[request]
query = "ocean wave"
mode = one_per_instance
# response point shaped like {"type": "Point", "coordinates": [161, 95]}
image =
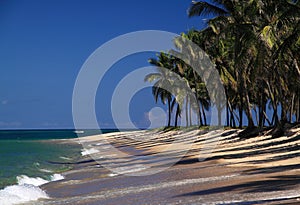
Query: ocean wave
{"type": "Point", "coordinates": [16, 194]}
{"type": "Point", "coordinates": [65, 158]}
{"type": "Point", "coordinates": [26, 190]}
{"type": "Point", "coordinates": [23, 179]}
{"type": "Point", "coordinates": [57, 177]}
{"type": "Point", "coordinates": [46, 170]}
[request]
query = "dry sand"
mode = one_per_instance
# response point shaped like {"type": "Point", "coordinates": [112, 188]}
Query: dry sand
{"type": "Point", "coordinates": [154, 167]}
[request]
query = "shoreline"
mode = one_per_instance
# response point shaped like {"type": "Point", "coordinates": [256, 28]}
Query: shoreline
{"type": "Point", "coordinates": [27, 164]}
{"type": "Point", "coordinates": [233, 172]}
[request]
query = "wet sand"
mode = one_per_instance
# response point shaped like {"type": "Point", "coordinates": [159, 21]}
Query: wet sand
{"type": "Point", "coordinates": [260, 170]}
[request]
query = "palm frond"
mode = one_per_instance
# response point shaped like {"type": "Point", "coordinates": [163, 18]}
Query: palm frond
{"type": "Point", "coordinates": [202, 8]}
{"type": "Point", "coordinates": [152, 77]}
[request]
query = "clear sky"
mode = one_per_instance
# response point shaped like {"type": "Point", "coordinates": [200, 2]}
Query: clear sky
{"type": "Point", "coordinates": [43, 45]}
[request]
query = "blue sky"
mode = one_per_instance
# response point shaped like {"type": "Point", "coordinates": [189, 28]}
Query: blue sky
{"type": "Point", "coordinates": [43, 45]}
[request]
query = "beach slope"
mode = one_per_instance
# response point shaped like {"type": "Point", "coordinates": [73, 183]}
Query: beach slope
{"type": "Point", "coordinates": [154, 167]}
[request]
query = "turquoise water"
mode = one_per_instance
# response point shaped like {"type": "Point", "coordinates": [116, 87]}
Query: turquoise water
{"type": "Point", "coordinates": [34, 154]}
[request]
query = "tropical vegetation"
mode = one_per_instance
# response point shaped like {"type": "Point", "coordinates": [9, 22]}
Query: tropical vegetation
{"type": "Point", "coordinates": [255, 47]}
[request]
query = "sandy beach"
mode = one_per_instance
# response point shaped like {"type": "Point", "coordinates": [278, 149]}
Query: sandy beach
{"type": "Point", "coordinates": [154, 167]}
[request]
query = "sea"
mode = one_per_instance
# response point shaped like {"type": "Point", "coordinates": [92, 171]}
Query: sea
{"type": "Point", "coordinates": [31, 158]}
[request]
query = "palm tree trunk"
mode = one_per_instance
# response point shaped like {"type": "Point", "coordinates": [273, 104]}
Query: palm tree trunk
{"type": "Point", "coordinates": [266, 117]}
{"type": "Point", "coordinates": [200, 115]}
{"type": "Point", "coordinates": [298, 116]}
{"type": "Point", "coordinates": [227, 114]}
{"type": "Point", "coordinates": [292, 108]}
{"type": "Point", "coordinates": [240, 116]}
{"type": "Point", "coordinates": [177, 115]}
{"type": "Point", "coordinates": [232, 120]}
{"type": "Point", "coordinates": [186, 112]}
{"type": "Point", "coordinates": [190, 114]}
{"type": "Point", "coordinates": [262, 111]}
{"type": "Point", "coordinates": [275, 119]}
{"type": "Point", "coordinates": [169, 112]}
{"type": "Point", "coordinates": [197, 98]}
{"type": "Point", "coordinates": [219, 116]}
{"type": "Point", "coordinates": [204, 115]}
{"type": "Point", "coordinates": [257, 114]}
{"type": "Point", "coordinates": [248, 112]}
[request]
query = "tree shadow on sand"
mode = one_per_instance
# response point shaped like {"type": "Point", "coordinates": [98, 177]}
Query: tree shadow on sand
{"type": "Point", "coordinates": [276, 183]}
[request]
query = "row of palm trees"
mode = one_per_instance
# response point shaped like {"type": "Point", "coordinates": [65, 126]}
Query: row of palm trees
{"type": "Point", "coordinates": [255, 46]}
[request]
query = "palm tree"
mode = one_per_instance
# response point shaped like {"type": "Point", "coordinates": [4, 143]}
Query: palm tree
{"type": "Point", "coordinates": [253, 32]}
{"type": "Point", "coordinates": [255, 48]}
{"type": "Point", "coordinates": [171, 86]}
{"type": "Point", "coordinates": [162, 80]}
{"type": "Point", "coordinates": [280, 32]}
{"type": "Point", "coordinates": [229, 25]}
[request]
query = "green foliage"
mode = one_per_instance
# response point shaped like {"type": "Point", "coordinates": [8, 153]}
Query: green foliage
{"type": "Point", "coordinates": [255, 46]}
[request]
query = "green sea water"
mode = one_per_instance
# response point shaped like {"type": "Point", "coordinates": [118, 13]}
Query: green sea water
{"type": "Point", "coordinates": [34, 153]}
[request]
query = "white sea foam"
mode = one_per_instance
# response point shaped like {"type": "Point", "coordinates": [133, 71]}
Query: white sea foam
{"type": "Point", "coordinates": [79, 131]}
{"type": "Point", "coordinates": [85, 152]}
{"type": "Point", "coordinates": [46, 170]}
{"type": "Point", "coordinates": [23, 179]}
{"type": "Point", "coordinates": [65, 158]}
{"type": "Point", "coordinates": [57, 177]}
{"type": "Point", "coordinates": [26, 190]}
{"type": "Point", "coordinates": [17, 194]}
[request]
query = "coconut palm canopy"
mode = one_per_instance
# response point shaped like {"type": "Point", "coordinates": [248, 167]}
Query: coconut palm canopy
{"type": "Point", "coordinates": [255, 48]}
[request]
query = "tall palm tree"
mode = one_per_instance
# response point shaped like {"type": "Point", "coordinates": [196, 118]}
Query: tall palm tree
{"type": "Point", "coordinates": [255, 48]}
{"type": "Point", "coordinates": [229, 25]}
{"type": "Point", "coordinates": [254, 33]}
{"type": "Point", "coordinates": [162, 81]}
